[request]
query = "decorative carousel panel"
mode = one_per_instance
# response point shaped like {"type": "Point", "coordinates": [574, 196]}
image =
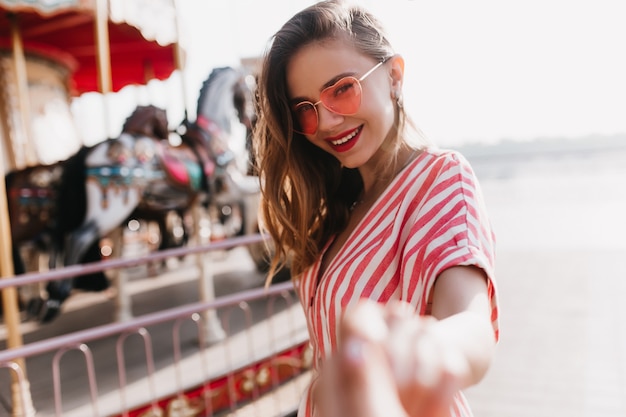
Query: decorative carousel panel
{"type": "Point", "coordinates": [52, 135]}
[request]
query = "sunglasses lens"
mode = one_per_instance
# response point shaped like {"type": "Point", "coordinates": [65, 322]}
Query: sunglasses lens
{"type": "Point", "coordinates": [344, 97]}
{"type": "Point", "coordinates": [305, 117]}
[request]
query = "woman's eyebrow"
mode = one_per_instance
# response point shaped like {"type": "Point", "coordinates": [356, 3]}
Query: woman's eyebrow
{"type": "Point", "coordinates": [329, 83]}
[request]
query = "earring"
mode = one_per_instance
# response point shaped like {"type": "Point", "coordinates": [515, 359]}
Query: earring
{"type": "Point", "coordinates": [398, 97]}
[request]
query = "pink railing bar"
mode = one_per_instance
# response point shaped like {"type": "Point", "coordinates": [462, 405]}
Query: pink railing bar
{"type": "Point", "coordinates": [102, 331]}
{"type": "Point", "coordinates": [75, 270]}
{"type": "Point", "coordinates": [208, 404]}
{"type": "Point", "coordinates": [245, 308]}
{"type": "Point", "coordinates": [121, 366]}
{"type": "Point", "coordinates": [178, 357]}
{"type": "Point", "coordinates": [285, 295]}
{"type": "Point", "coordinates": [288, 298]}
{"type": "Point", "coordinates": [19, 374]}
{"type": "Point", "coordinates": [91, 373]}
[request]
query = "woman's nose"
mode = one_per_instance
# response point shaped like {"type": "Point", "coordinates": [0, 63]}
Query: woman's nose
{"type": "Point", "coordinates": [327, 119]}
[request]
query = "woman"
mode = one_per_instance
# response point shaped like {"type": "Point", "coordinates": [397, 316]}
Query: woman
{"type": "Point", "coordinates": [361, 207]}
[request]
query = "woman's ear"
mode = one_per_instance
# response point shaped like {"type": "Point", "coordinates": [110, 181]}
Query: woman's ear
{"type": "Point", "coordinates": [397, 73]}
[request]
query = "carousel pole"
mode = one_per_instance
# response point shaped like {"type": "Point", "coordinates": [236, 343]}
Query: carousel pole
{"type": "Point", "coordinates": [179, 56]}
{"type": "Point", "coordinates": [20, 389]}
{"type": "Point", "coordinates": [19, 61]}
{"type": "Point", "coordinates": [103, 57]}
{"type": "Point", "coordinates": [206, 284]}
{"type": "Point", "coordinates": [5, 113]}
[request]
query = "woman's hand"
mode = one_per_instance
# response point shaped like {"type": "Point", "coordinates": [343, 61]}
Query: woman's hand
{"type": "Point", "coordinates": [390, 363]}
{"type": "Point", "coordinates": [358, 381]}
{"type": "Point", "coordinates": [393, 362]}
{"type": "Point", "coordinates": [427, 371]}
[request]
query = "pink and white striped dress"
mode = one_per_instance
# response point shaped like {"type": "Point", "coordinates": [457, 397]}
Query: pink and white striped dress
{"type": "Point", "coordinates": [431, 217]}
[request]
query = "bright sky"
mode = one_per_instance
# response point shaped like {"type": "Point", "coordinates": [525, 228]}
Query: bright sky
{"type": "Point", "coordinates": [476, 71]}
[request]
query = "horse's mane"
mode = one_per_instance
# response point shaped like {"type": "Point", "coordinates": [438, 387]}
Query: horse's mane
{"type": "Point", "coordinates": [215, 101]}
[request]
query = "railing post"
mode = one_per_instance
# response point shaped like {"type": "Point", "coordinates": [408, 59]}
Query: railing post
{"type": "Point", "coordinates": [123, 301]}
{"type": "Point", "coordinates": [214, 331]}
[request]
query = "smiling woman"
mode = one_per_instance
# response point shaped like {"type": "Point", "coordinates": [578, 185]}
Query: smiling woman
{"type": "Point", "coordinates": [369, 215]}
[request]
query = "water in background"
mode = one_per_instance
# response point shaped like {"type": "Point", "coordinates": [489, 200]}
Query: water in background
{"type": "Point", "coordinates": [555, 195]}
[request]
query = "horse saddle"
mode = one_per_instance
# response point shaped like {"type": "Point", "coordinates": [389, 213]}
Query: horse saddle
{"type": "Point", "coordinates": [32, 193]}
{"type": "Point", "coordinates": [181, 165]}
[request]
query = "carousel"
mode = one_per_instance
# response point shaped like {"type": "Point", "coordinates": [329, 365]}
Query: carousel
{"type": "Point", "coordinates": [54, 51]}
{"type": "Point", "coordinates": [51, 52]}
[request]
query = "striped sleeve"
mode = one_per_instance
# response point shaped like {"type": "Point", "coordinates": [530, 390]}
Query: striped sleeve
{"type": "Point", "coordinates": [448, 227]}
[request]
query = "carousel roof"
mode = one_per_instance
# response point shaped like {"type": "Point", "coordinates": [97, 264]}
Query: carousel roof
{"type": "Point", "coordinates": [64, 30]}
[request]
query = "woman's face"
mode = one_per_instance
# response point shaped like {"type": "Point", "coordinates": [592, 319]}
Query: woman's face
{"type": "Point", "coordinates": [355, 138]}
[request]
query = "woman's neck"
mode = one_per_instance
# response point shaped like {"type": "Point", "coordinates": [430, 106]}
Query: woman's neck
{"type": "Point", "coordinates": [377, 175]}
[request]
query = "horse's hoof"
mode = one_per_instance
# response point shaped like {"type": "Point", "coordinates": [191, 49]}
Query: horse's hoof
{"type": "Point", "coordinates": [49, 311]}
{"type": "Point", "coordinates": [33, 308]}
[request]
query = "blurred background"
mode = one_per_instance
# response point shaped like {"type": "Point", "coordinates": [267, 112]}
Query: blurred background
{"type": "Point", "coordinates": [533, 93]}
{"type": "Point", "coordinates": [480, 71]}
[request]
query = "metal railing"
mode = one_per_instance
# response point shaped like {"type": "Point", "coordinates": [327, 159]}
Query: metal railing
{"type": "Point", "coordinates": [259, 368]}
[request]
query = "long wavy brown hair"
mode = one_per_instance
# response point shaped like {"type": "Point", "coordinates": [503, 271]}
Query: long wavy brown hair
{"type": "Point", "coordinates": [306, 193]}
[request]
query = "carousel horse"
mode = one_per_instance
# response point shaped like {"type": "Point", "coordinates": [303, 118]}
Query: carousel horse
{"type": "Point", "coordinates": [103, 185]}
{"type": "Point", "coordinates": [111, 173]}
{"type": "Point", "coordinates": [48, 202]}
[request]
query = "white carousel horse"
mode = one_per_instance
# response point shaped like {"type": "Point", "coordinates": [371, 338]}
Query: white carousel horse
{"type": "Point", "coordinates": [109, 181]}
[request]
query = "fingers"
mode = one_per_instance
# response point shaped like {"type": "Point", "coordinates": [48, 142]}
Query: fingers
{"type": "Point", "coordinates": [395, 357]}
{"type": "Point", "coordinates": [425, 368]}
{"type": "Point", "coordinates": [367, 321]}
{"type": "Point", "coordinates": [366, 386]}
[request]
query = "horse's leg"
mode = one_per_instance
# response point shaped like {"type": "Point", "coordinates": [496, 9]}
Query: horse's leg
{"type": "Point", "coordinates": [36, 307]}
{"type": "Point", "coordinates": [19, 267]}
{"type": "Point", "coordinates": [167, 241]}
{"type": "Point", "coordinates": [99, 220]}
{"type": "Point", "coordinates": [96, 281]}
{"type": "Point", "coordinates": [214, 331]}
{"type": "Point", "coordinates": [29, 296]}
{"type": "Point", "coordinates": [77, 244]}
{"type": "Point", "coordinates": [251, 198]}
